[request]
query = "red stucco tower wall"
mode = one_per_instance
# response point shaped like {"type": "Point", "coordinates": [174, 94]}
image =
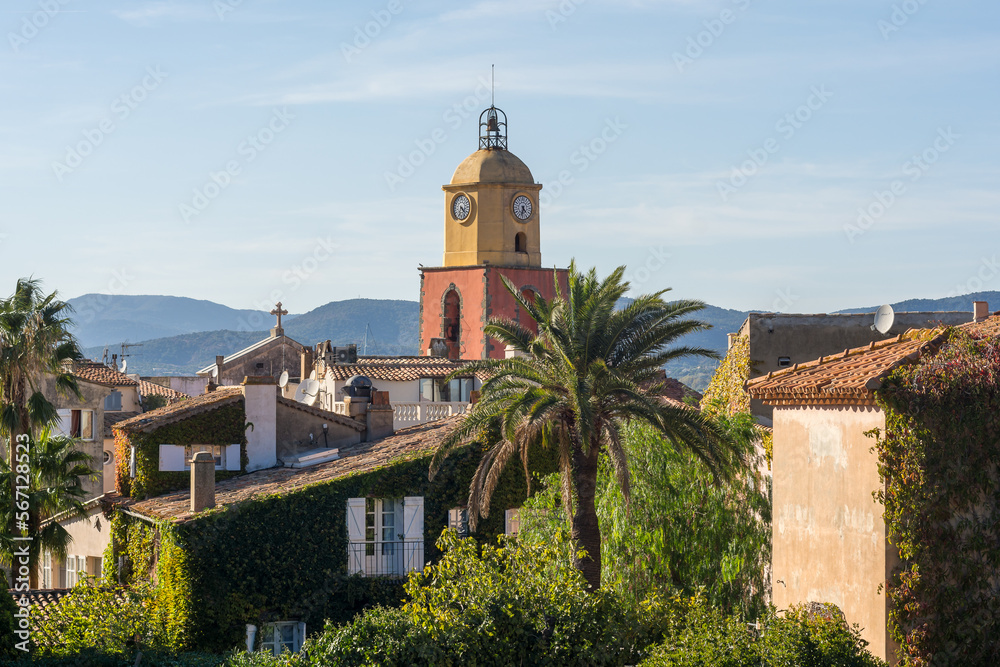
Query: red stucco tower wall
{"type": "Point", "coordinates": [481, 295]}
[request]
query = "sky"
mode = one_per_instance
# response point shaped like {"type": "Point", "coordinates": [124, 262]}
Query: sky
{"type": "Point", "coordinates": [800, 156]}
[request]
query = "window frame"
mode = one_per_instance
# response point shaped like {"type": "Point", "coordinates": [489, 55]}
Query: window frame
{"type": "Point", "coordinates": [276, 645]}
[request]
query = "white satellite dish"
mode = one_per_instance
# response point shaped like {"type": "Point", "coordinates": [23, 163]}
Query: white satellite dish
{"type": "Point", "coordinates": [310, 399]}
{"type": "Point", "coordinates": [124, 365]}
{"type": "Point", "coordinates": [283, 380]}
{"type": "Point", "coordinates": [884, 318]}
{"type": "Point", "coordinates": [215, 372]}
{"type": "Point", "coordinates": [309, 390]}
{"type": "Point", "coordinates": [300, 393]}
{"type": "Point", "coordinates": [312, 376]}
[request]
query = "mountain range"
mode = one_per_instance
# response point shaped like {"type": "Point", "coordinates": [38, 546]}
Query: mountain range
{"type": "Point", "coordinates": [169, 335]}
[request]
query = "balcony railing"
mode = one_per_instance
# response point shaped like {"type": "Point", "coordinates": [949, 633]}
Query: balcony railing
{"type": "Point", "coordinates": [385, 559]}
{"type": "Point", "coordinates": [421, 412]}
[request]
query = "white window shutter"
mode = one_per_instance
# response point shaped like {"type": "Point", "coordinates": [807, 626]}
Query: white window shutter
{"type": "Point", "coordinates": [413, 532]}
{"type": "Point", "coordinates": [61, 426]}
{"type": "Point", "coordinates": [172, 458]}
{"type": "Point", "coordinates": [355, 535]}
{"type": "Point", "coordinates": [233, 457]}
{"type": "Point", "coordinates": [301, 639]}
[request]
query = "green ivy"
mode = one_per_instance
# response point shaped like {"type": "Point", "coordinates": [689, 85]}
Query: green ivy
{"type": "Point", "coordinates": [284, 556]}
{"type": "Point", "coordinates": [222, 426]}
{"type": "Point", "coordinates": [938, 460]}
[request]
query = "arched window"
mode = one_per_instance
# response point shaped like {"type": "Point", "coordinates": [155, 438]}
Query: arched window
{"type": "Point", "coordinates": [452, 323]}
{"type": "Point", "coordinates": [520, 242]}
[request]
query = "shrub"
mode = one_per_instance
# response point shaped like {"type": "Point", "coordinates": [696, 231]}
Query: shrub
{"type": "Point", "coordinates": [8, 624]}
{"type": "Point", "coordinates": [699, 635]}
{"type": "Point", "coordinates": [520, 602]}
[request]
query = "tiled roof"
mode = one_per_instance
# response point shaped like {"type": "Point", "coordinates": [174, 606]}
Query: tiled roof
{"type": "Point", "coordinates": [360, 458]}
{"type": "Point", "coordinates": [394, 369]}
{"type": "Point", "coordinates": [43, 603]}
{"type": "Point", "coordinates": [98, 373]}
{"type": "Point", "coordinates": [852, 376]}
{"type": "Point", "coordinates": [112, 418]}
{"type": "Point", "coordinates": [147, 388]}
{"type": "Point", "coordinates": [154, 419]}
{"type": "Point", "coordinates": [319, 412]}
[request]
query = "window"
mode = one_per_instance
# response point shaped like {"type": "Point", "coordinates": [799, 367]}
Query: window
{"type": "Point", "coordinates": [109, 457]}
{"type": "Point", "coordinates": [113, 401]}
{"type": "Point", "coordinates": [458, 519]}
{"type": "Point", "coordinates": [276, 638]}
{"type": "Point", "coordinates": [218, 451]}
{"type": "Point", "coordinates": [385, 535]}
{"type": "Point", "coordinates": [520, 242]}
{"type": "Point", "coordinates": [784, 361]}
{"type": "Point", "coordinates": [512, 521]}
{"type": "Point", "coordinates": [76, 424]}
{"type": "Point", "coordinates": [458, 390]}
{"type": "Point", "coordinates": [71, 571]}
{"type": "Point", "coordinates": [94, 567]}
{"type": "Point", "coordinates": [47, 569]}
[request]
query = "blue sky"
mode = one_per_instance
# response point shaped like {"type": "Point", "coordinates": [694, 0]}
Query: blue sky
{"type": "Point", "coordinates": [723, 149]}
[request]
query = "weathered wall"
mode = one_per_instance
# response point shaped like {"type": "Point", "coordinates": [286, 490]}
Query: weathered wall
{"type": "Point", "coordinates": [190, 385]}
{"type": "Point", "coordinates": [278, 355]}
{"type": "Point", "coordinates": [829, 537]}
{"type": "Point", "coordinates": [804, 338]}
{"type": "Point", "coordinates": [89, 537]}
{"type": "Point", "coordinates": [294, 427]}
{"type": "Point", "coordinates": [93, 399]}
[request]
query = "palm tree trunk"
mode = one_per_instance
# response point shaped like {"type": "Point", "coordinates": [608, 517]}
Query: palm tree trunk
{"type": "Point", "coordinates": [586, 531]}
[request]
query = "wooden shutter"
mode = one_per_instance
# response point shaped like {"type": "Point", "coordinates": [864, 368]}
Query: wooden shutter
{"type": "Point", "coordinates": [413, 532]}
{"type": "Point", "coordinates": [233, 457]}
{"type": "Point", "coordinates": [172, 458]}
{"type": "Point", "coordinates": [355, 535]}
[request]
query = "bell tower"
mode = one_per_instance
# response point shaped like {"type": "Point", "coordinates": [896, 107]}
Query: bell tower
{"type": "Point", "coordinates": [491, 229]}
{"type": "Point", "coordinates": [491, 208]}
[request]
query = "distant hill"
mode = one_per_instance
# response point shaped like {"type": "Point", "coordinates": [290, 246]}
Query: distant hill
{"type": "Point", "coordinates": [180, 336]}
{"type": "Point", "coordinates": [951, 303]}
{"type": "Point", "coordinates": [391, 328]}
{"type": "Point", "coordinates": [106, 319]}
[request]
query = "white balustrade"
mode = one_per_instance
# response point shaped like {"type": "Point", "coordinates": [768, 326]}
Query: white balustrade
{"type": "Point", "coordinates": [411, 414]}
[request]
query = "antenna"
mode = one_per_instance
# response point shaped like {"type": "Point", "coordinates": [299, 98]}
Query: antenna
{"type": "Point", "coordinates": [493, 85]}
{"type": "Point", "coordinates": [884, 318]}
{"type": "Point", "coordinates": [104, 359]}
{"type": "Point", "coordinates": [283, 380]}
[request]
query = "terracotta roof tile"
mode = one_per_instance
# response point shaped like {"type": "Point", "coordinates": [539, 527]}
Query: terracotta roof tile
{"type": "Point", "coordinates": [154, 419]}
{"type": "Point", "coordinates": [112, 418]}
{"type": "Point", "coordinates": [360, 458]}
{"type": "Point", "coordinates": [851, 377]}
{"type": "Point", "coordinates": [98, 373]}
{"type": "Point", "coordinates": [147, 388]}
{"type": "Point", "coordinates": [394, 369]}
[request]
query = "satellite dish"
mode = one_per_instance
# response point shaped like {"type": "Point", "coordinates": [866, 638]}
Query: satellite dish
{"type": "Point", "coordinates": [311, 387]}
{"type": "Point", "coordinates": [310, 400]}
{"type": "Point", "coordinates": [283, 380]}
{"type": "Point", "coordinates": [312, 376]}
{"type": "Point", "coordinates": [124, 365]}
{"type": "Point", "coordinates": [300, 393]}
{"type": "Point", "coordinates": [308, 392]}
{"type": "Point", "coordinates": [884, 318]}
{"type": "Point", "coordinates": [215, 372]}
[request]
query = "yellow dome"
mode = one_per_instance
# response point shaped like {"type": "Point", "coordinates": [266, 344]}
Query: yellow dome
{"type": "Point", "coordinates": [492, 166]}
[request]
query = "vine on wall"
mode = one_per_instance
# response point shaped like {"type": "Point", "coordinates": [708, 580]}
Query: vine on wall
{"type": "Point", "coordinates": [938, 460]}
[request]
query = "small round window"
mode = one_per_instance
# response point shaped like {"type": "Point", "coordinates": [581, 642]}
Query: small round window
{"type": "Point", "coordinates": [108, 457]}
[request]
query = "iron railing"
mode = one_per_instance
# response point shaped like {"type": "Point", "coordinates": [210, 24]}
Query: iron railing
{"type": "Point", "coordinates": [385, 559]}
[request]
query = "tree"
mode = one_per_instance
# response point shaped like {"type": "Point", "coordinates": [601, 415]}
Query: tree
{"type": "Point", "coordinates": [574, 385]}
{"type": "Point", "coordinates": [55, 469]}
{"type": "Point", "coordinates": [34, 342]}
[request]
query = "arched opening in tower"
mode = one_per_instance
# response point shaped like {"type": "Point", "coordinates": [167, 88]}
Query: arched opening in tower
{"type": "Point", "coordinates": [452, 323]}
{"type": "Point", "coordinates": [521, 242]}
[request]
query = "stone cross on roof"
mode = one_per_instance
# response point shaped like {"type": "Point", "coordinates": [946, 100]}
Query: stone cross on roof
{"type": "Point", "coordinates": [278, 330]}
{"type": "Point", "coordinates": [279, 312]}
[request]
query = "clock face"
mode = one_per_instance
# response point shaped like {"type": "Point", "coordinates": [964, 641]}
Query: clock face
{"type": "Point", "coordinates": [460, 207]}
{"type": "Point", "coordinates": [522, 207]}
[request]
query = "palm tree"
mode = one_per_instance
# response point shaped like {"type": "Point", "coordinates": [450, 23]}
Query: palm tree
{"type": "Point", "coordinates": [56, 470]}
{"type": "Point", "coordinates": [589, 370]}
{"type": "Point", "coordinates": [34, 342]}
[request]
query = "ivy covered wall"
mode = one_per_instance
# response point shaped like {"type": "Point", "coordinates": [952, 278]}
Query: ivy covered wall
{"type": "Point", "coordinates": [284, 556]}
{"type": "Point", "coordinates": [223, 426]}
{"type": "Point", "coordinates": [939, 459]}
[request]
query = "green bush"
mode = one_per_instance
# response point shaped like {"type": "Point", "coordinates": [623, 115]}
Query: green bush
{"type": "Point", "coordinates": [520, 602]}
{"type": "Point", "coordinates": [8, 624]}
{"type": "Point", "coordinates": [701, 636]}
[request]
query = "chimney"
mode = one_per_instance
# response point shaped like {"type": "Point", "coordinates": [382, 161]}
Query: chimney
{"type": "Point", "coordinates": [306, 363]}
{"type": "Point", "coordinates": [202, 481]}
{"type": "Point", "coordinates": [378, 417]}
{"type": "Point", "coordinates": [260, 400]}
{"type": "Point", "coordinates": [729, 340]}
{"type": "Point", "coordinates": [980, 310]}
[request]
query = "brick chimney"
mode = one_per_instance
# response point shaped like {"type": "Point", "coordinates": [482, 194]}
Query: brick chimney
{"type": "Point", "coordinates": [378, 417]}
{"type": "Point", "coordinates": [980, 310]}
{"type": "Point", "coordinates": [202, 481]}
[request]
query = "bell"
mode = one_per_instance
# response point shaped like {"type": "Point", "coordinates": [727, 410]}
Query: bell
{"type": "Point", "coordinates": [491, 122]}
